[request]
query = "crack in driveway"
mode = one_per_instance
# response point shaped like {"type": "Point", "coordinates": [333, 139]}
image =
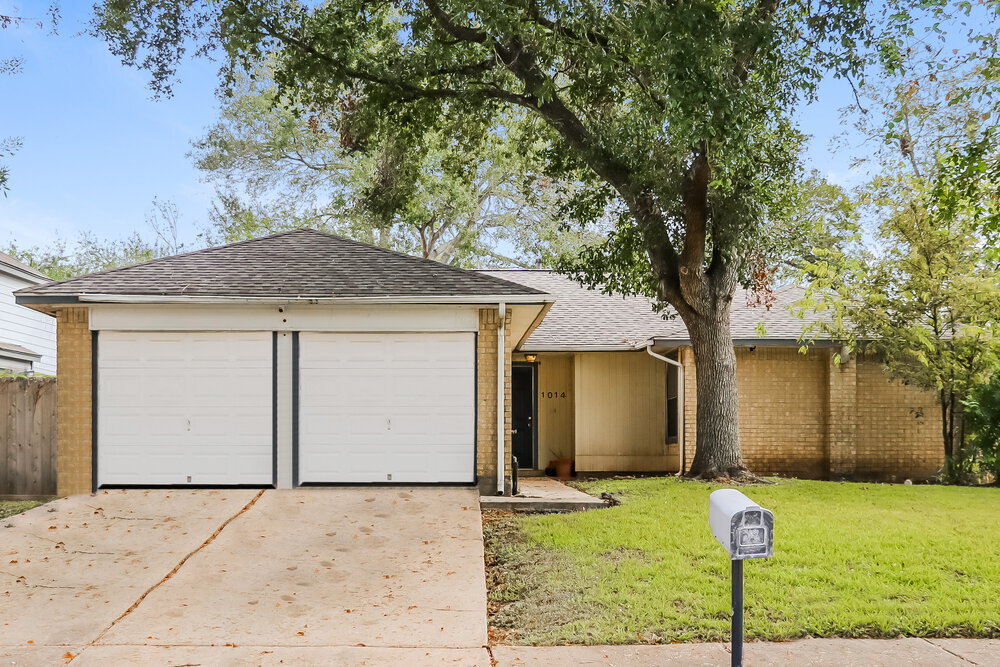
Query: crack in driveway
{"type": "Point", "coordinates": [211, 538]}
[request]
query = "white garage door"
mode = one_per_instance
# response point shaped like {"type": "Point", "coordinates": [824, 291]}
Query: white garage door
{"type": "Point", "coordinates": [184, 408]}
{"type": "Point", "coordinates": [383, 407]}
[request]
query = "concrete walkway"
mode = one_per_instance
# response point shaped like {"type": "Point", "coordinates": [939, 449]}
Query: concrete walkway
{"type": "Point", "coordinates": [543, 494]}
{"type": "Point", "coordinates": [312, 576]}
{"type": "Point", "coordinates": [813, 652]}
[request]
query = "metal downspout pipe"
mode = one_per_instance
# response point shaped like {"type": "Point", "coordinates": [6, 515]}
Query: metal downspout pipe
{"type": "Point", "coordinates": [501, 383]}
{"type": "Point", "coordinates": [680, 402]}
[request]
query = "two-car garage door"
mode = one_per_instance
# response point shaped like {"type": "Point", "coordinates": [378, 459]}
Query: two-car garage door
{"type": "Point", "coordinates": [200, 408]}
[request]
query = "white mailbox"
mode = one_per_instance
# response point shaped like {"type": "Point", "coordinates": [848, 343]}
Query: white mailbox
{"type": "Point", "coordinates": [742, 527]}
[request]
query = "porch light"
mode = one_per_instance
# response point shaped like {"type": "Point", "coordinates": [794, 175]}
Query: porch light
{"type": "Point", "coordinates": [530, 358]}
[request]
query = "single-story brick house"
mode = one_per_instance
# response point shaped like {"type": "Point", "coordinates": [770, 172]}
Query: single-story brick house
{"type": "Point", "coordinates": [303, 358]}
{"type": "Point", "coordinates": [605, 401]}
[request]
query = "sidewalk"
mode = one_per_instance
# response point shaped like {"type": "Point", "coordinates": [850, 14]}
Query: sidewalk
{"type": "Point", "coordinates": [839, 652]}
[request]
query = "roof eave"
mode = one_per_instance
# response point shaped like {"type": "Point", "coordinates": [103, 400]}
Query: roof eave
{"type": "Point", "coordinates": [20, 356]}
{"type": "Point", "coordinates": [29, 299]}
{"type": "Point", "coordinates": [751, 342]}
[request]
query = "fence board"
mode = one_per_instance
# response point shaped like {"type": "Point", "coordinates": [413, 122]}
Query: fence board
{"type": "Point", "coordinates": [27, 437]}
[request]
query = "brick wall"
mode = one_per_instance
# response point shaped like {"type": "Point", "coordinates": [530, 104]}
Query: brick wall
{"type": "Point", "coordinates": [73, 412]}
{"type": "Point", "coordinates": [801, 415]}
{"type": "Point", "coordinates": [899, 428]}
{"type": "Point", "coordinates": [486, 410]}
{"type": "Point", "coordinates": [783, 410]}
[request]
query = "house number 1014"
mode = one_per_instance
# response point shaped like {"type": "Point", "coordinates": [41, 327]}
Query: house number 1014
{"type": "Point", "coordinates": [552, 394]}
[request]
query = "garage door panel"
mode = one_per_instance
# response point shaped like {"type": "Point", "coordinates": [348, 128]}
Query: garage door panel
{"type": "Point", "coordinates": [188, 407]}
{"type": "Point", "coordinates": [386, 407]}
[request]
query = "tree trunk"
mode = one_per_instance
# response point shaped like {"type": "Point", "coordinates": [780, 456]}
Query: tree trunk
{"type": "Point", "coordinates": [717, 452]}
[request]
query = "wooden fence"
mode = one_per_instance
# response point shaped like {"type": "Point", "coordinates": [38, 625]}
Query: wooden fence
{"type": "Point", "coordinates": [27, 438]}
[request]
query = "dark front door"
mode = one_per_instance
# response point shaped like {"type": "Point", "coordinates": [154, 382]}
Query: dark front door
{"type": "Point", "coordinates": [522, 414]}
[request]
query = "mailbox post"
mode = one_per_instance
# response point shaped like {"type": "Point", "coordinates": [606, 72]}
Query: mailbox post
{"type": "Point", "coordinates": [745, 530]}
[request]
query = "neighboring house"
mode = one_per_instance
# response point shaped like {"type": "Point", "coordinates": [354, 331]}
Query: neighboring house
{"type": "Point", "coordinates": [303, 359]}
{"type": "Point", "coordinates": [27, 338]}
{"type": "Point", "coordinates": [604, 401]}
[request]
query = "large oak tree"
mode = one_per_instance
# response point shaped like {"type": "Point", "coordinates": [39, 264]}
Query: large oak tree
{"type": "Point", "coordinates": [675, 117]}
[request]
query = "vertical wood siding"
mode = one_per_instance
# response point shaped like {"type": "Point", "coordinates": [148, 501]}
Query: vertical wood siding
{"type": "Point", "coordinates": [620, 413]}
{"type": "Point", "coordinates": [27, 437]}
{"type": "Point", "coordinates": [555, 408]}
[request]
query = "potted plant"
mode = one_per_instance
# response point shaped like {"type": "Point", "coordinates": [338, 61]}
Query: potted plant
{"type": "Point", "coordinates": [562, 465]}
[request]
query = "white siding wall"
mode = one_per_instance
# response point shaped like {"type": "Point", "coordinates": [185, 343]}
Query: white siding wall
{"type": "Point", "coordinates": [26, 327]}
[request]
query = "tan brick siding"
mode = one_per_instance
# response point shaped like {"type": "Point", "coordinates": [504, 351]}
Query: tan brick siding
{"type": "Point", "coordinates": [783, 410]}
{"type": "Point", "coordinates": [73, 412]}
{"type": "Point", "coordinates": [899, 428]}
{"type": "Point", "coordinates": [801, 415]}
{"type": "Point", "coordinates": [486, 409]}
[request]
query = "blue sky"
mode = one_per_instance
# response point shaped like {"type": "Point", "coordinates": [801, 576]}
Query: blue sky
{"type": "Point", "coordinates": [97, 149]}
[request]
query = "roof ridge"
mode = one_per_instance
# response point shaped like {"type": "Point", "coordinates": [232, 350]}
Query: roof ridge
{"type": "Point", "coordinates": [475, 272]}
{"type": "Point", "coordinates": [169, 257]}
{"type": "Point", "coordinates": [347, 262]}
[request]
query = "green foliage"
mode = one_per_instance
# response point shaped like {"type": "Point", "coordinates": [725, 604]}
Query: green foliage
{"type": "Point", "coordinates": [90, 253]}
{"type": "Point", "coordinates": [918, 285]}
{"type": "Point", "coordinates": [630, 101]}
{"type": "Point", "coordinates": [474, 200]}
{"type": "Point", "coordinates": [982, 410]}
{"type": "Point", "coordinates": [649, 570]}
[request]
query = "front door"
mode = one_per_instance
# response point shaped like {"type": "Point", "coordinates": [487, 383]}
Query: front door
{"type": "Point", "coordinates": [523, 414]}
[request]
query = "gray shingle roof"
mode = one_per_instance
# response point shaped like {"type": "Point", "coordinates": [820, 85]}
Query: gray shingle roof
{"type": "Point", "coordinates": [584, 319]}
{"type": "Point", "coordinates": [303, 263]}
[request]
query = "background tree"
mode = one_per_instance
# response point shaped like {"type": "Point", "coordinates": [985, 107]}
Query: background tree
{"type": "Point", "coordinates": [920, 288]}
{"type": "Point", "coordinates": [472, 203]}
{"type": "Point", "coordinates": [89, 253]}
{"type": "Point", "coordinates": [13, 64]}
{"type": "Point", "coordinates": [675, 118]}
{"type": "Point", "coordinates": [983, 411]}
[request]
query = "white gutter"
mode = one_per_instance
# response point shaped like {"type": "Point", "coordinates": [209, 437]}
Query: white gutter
{"type": "Point", "coordinates": [501, 385]}
{"type": "Point", "coordinates": [451, 299]}
{"type": "Point", "coordinates": [680, 402]}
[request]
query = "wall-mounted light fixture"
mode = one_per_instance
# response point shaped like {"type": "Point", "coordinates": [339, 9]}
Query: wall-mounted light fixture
{"type": "Point", "coordinates": [530, 358]}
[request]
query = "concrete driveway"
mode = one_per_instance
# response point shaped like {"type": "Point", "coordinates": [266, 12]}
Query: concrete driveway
{"type": "Point", "coordinates": [312, 576]}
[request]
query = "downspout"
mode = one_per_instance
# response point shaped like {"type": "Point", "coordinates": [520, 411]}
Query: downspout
{"type": "Point", "coordinates": [680, 402]}
{"type": "Point", "coordinates": [501, 378]}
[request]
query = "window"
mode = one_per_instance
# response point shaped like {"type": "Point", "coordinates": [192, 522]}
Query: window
{"type": "Point", "coordinates": [673, 416]}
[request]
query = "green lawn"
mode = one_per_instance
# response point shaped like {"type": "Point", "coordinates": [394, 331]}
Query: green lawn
{"type": "Point", "coordinates": [12, 507]}
{"type": "Point", "coordinates": [851, 560]}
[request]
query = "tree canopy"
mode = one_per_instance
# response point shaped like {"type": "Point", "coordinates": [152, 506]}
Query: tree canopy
{"type": "Point", "coordinates": [918, 282]}
{"type": "Point", "coordinates": [675, 119]}
{"type": "Point", "coordinates": [477, 201]}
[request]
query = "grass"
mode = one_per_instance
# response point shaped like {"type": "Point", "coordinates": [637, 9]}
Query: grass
{"type": "Point", "coordinates": [12, 507]}
{"type": "Point", "coordinates": [851, 560]}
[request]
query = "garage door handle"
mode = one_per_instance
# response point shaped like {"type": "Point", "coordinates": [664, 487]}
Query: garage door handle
{"type": "Point", "coordinates": [189, 424]}
{"type": "Point", "coordinates": [388, 424]}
